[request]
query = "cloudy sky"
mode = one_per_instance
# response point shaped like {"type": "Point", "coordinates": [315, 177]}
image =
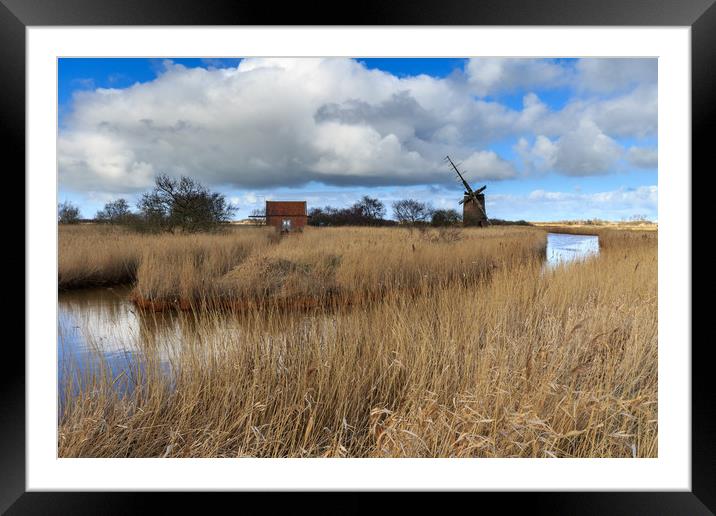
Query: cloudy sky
{"type": "Point", "coordinates": [552, 139]}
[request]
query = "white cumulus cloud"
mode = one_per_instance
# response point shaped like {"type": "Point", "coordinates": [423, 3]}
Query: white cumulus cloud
{"type": "Point", "coordinates": [607, 75]}
{"type": "Point", "coordinates": [492, 75]}
{"type": "Point", "coordinates": [586, 151]}
{"type": "Point", "coordinates": [271, 122]}
{"type": "Point", "coordinates": [484, 165]}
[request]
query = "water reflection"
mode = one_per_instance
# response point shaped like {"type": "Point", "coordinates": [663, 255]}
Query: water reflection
{"type": "Point", "coordinates": [99, 330]}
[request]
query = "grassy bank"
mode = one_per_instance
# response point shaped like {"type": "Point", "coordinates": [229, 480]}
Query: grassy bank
{"type": "Point", "coordinates": [254, 264]}
{"type": "Point", "coordinates": [576, 225]}
{"type": "Point", "coordinates": [610, 235]}
{"type": "Point", "coordinates": [93, 255]}
{"type": "Point", "coordinates": [97, 255]}
{"type": "Point", "coordinates": [529, 363]}
{"type": "Point", "coordinates": [329, 264]}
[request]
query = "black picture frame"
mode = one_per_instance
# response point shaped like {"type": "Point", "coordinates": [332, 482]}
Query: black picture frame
{"type": "Point", "coordinates": [700, 15]}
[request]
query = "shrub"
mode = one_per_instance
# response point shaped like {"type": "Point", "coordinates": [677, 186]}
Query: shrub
{"type": "Point", "coordinates": [68, 213]}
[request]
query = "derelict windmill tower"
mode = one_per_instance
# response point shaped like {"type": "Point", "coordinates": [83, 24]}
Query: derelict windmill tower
{"type": "Point", "coordinates": [473, 202]}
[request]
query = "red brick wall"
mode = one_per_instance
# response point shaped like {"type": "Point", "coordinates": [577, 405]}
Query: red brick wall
{"type": "Point", "coordinates": [276, 211]}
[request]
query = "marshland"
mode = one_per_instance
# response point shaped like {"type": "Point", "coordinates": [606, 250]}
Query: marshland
{"type": "Point", "coordinates": [506, 341]}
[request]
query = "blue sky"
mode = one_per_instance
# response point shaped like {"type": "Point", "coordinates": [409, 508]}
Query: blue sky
{"type": "Point", "coordinates": [553, 139]}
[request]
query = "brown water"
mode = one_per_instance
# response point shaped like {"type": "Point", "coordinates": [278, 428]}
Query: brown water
{"type": "Point", "coordinates": [101, 327]}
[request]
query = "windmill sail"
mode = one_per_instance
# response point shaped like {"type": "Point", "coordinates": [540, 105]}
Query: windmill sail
{"type": "Point", "coordinates": [467, 186]}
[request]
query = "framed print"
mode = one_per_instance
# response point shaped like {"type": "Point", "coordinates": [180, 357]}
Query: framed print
{"type": "Point", "coordinates": [413, 249]}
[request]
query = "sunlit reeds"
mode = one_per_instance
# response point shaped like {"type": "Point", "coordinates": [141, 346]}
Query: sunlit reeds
{"type": "Point", "coordinates": [524, 362]}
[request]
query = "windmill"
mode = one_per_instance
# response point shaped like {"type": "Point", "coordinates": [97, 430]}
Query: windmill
{"type": "Point", "coordinates": [473, 202]}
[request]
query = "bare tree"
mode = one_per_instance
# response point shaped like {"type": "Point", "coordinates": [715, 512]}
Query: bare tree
{"type": "Point", "coordinates": [370, 209]}
{"type": "Point", "coordinates": [115, 212]}
{"type": "Point", "coordinates": [411, 211]}
{"type": "Point", "coordinates": [68, 213]}
{"type": "Point", "coordinates": [183, 204]}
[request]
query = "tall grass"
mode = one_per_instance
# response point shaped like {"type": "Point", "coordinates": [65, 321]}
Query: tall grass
{"type": "Point", "coordinates": [527, 363]}
{"type": "Point", "coordinates": [97, 255]}
{"type": "Point", "coordinates": [92, 255]}
{"type": "Point", "coordinates": [256, 264]}
{"type": "Point", "coordinates": [188, 266]}
{"type": "Point", "coordinates": [355, 263]}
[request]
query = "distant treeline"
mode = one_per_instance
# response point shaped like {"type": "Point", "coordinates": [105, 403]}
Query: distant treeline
{"type": "Point", "coordinates": [173, 204]}
{"type": "Point", "coordinates": [186, 205]}
{"type": "Point", "coordinates": [369, 211]}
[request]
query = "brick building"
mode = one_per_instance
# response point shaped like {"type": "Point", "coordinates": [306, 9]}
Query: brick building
{"type": "Point", "coordinates": [286, 215]}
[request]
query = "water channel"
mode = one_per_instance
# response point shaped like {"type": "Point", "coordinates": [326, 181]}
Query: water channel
{"type": "Point", "coordinates": [102, 328]}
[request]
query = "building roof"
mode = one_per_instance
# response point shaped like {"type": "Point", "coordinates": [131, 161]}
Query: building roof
{"type": "Point", "coordinates": [286, 209]}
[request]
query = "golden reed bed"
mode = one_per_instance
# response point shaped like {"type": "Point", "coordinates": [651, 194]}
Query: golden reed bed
{"type": "Point", "coordinates": [252, 266]}
{"type": "Point", "coordinates": [526, 363]}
